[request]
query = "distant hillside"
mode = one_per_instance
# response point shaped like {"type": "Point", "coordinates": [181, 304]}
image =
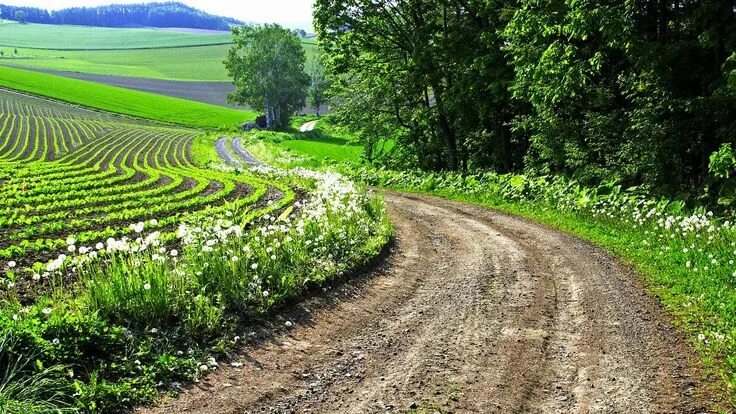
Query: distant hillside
{"type": "Point", "coordinates": [169, 14]}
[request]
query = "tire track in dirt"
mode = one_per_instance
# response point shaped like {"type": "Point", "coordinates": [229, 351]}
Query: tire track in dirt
{"type": "Point", "coordinates": [244, 155]}
{"type": "Point", "coordinates": [221, 148]}
{"type": "Point", "coordinates": [473, 311]}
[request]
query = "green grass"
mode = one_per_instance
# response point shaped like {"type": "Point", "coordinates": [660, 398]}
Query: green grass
{"type": "Point", "coordinates": [48, 36]}
{"type": "Point", "coordinates": [325, 148]}
{"type": "Point", "coordinates": [201, 63]}
{"type": "Point", "coordinates": [123, 101]}
{"type": "Point", "coordinates": [327, 141]}
{"type": "Point", "coordinates": [327, 145]}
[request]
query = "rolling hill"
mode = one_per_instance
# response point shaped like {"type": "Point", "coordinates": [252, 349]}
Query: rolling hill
{"type": "Point", "coordinates": [68, 37]}
{"type": "Point", "coordinates": [123, 101]}
{"type": "Point", "coordinates": [141, 53]}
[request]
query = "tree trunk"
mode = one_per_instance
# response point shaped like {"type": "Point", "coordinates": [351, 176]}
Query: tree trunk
{"type": "Point", "coordinates": [505, 148]}
{"type": "Point", "coordinates": [448, 134]}
{"type": "Point", "coordinates": [269, 120]}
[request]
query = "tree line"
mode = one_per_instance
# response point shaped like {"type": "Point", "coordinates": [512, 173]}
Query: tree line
{"type": "Point", "coordinates": [169, 14]}
{"type": "Point", "coordinates": [638, 91]}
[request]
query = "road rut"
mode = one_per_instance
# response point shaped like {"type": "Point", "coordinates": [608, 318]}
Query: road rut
{"type": "Point", "coordinates": [473, 311]}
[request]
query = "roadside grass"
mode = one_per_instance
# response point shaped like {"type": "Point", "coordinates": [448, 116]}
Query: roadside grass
{"type": "Point", "coordinates": [26, 386]}
{"type": "Point", "coordinates": [323, 148]}
{"type": "Point", "coordinates": [50, 36]}
{"type": "Point", "coordinates": [686, 257]}
{"type": "Point", "coordinates": [199, 63]}
{"type": "Point", "coordinates": [123, 101]}
{"type": "Point", "coordinates": [328, 144]}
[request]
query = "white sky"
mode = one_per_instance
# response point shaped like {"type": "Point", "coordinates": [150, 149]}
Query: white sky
{"type": "Point", "coordinates": [291, 13]}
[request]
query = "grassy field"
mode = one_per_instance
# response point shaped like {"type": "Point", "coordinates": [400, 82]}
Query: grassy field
{"type": "Point", "coordinates": [123, 101]}
{"type": "Point", "coordinates": [48, 36]}
{"type": "Point", "coordinates": [326, 145]}
{"type": "Point", "coordinates": [40, 47]}
{"type": "Point", "coordinates": [324, 148]}
{"type": "Point", "coordinates": [202, 63]}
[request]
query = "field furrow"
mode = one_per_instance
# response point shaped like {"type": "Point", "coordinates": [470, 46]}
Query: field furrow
{"type": "Point", "coordinates": [67, 172]}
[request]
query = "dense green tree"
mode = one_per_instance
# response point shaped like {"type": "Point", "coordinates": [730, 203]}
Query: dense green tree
{"type": "Point", "coordinates": [632, 91]}
{"type": "Point", "coordinates": [20, 16]}
{"type": "Point", "coordinates": [318, 84]}
{"type": "Point", "coordinates": [167, 14]}
{"type": "Point", "coordinates": [640, 92]}
{"type": "Point", "coordinates": [432, 71]}
{"type": "Point", "coordinates": [267, 67]}
{"type": "Point", "coordinates": [569, 61]}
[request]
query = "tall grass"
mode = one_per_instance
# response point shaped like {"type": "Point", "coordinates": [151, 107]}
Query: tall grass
{"type": "Point", "coordinates": [223, 267]}
{"type": "Point", "coordinates": [28, 387]}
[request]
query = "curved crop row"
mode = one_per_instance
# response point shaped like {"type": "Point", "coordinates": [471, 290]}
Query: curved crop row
{"type": "Point", "coordinates": [69, 173]}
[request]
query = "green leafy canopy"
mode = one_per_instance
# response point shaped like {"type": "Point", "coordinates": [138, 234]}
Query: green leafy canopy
{"type": "Point", "coordinates": [267, 66]}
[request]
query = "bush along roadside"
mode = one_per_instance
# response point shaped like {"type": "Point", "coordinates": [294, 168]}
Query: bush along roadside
{"type": "Point", "coordinates": [688, 257]}
{"type": "Point", "coordinates": [149, 313]}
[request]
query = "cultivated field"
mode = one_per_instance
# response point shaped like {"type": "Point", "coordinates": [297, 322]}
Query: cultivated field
{"type": "Point", "coordinates": [130, 255]}
{"type": "Point", "coordinates": [70, 172]}
{"type": "Point", "coordinates": [123, 101]}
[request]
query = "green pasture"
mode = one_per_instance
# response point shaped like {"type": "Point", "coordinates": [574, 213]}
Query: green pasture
{"type": "Point", "coordinates": [140, 53]}
{"type": "Point", "coordinates": [123, 101]}
{"type": "Point", "coordinates": [201, 63]}
{"type": "Point", "coordinates": [49, 36]}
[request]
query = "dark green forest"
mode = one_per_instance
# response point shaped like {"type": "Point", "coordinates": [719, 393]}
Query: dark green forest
{"type": "Point", "coordinates": [638, 92]}
{"type": "Point", "coordinates": [168, 14]}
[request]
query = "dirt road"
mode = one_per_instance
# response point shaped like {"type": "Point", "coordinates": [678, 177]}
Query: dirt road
{"type": "Point", "coordinates": [308, 127]}
{"type": "Point", "coordinates": [473, 311]}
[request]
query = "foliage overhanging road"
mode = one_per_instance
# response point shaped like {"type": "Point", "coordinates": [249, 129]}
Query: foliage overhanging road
{"type": "Point", "coordinates": [472, 311]}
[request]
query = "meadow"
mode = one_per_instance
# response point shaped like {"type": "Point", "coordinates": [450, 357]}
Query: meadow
{"type": "Point", "coordinates": [68, 37]}
{"type": "Point", "coordinates": [201, 63]}
{"type": "Point", "coordinates": [327, 145]}
{"type": "Point", "coordinates": [140, 53]}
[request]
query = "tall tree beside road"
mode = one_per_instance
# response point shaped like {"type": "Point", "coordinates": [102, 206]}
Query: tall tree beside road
{"type": "Point", "coordinates": [267, 65]}
{"type": "Point", "coordinates": [430, 75]}
{"type": "Point", "coordinates": [640, 93]}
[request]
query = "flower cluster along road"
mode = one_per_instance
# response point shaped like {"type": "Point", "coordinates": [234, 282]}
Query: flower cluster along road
{"type": "Point", "coordinates": [472, 311]}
